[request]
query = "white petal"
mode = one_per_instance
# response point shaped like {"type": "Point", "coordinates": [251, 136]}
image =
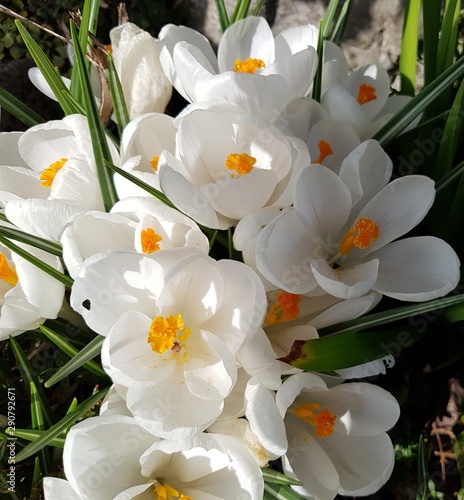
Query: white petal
{"type": "Point", "coordinates": [57, 489]}
{"type": "Point", "coordinates": [10, 149]}
{"type": "Point", "coordinates": [38, 80]}
{"type": "Point", "coordinates": [292, 387]}
{"type": "Point", "coordinates": [295, 39]}
{"type": "Point", "coordinates": [417, 269]}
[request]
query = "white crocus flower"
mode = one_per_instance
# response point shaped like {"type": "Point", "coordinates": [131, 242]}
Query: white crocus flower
{"type": "Point", "coordinates": [337, 436]}
{"type": "Point", "coordinates": [142, 142]}
{"type": "Point", "coordinates": [136, 57]}
{"type": "Point", "coordinates": [144, 225]}
{"type": "Point", "coordinates": [347, 250]}
{"type": "Point", "coordinates": [219, 179]}
{"type": "Point", "coordinates": [60, 180]}
{"type": "Point", "coordinates": [256, 71]}
{"type": "Point", "coordinates": [28, 295]}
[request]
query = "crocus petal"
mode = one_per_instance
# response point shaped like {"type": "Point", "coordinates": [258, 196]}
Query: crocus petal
{"type": "Point", "coordinates": [417, 269]}
{"type": "Point", "coordinates": [248, 38]}
{"type": "Point", "coordinates": [57, 489]}
{"type": "Point", "coordinates": [40, 83]}
{"type": "Point", "coordinates": [295, 39]}
{"type": "Point", "coordinates": [21, 182]}
{"type": "Point", "coordinates": [10, 149]}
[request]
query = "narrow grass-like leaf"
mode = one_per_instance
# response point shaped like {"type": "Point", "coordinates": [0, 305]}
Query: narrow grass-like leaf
{"type": "Point", "coordinates": [448, 36]}
{"type": "Point", "coordinates": [97, 130]}
{"type": "Point", "coordinates": [280, 492]}
{"type": "Point", "coordinates": [18, 109]}
{"type": "Point", "coordinates": [241, 10]}
{"type": "Point", "coordinates": [455, 313]}
{"type": "Point", "coordinates": [422, 475]}
{"type": "Point", "coordinates": [418, 104]}
{"type": "Point", "coordinates": [29, 376]}
{"type": "Point", "coordinates": [46, 268]}
{"type": "Point", "coordinates": [37, 420]}
{"type": "Point", "coordinates": [90, 351]}
{"type": "Point", "coordinates": [317, 82]}
{"type": "Point", "coordinates": [37, 474]}
{"type": "Point", "coordinates": [46, 67]}
{"type": "Point", "coordinates": [50, 434]}
{"type": "Point", "coordinates": [328, 18]}
{"type": "Point", "coordinates": [431, 16]}
{"type": "Point", "coordinates": [34, 434]}
{"type": "Point", "coordinates": [385, 317]}
{"type": "Point", "coordinates": [452, 136]}
{"type": "Point", "coordinates": [71, 351]}
{"type": "Point", "coordinates": [117, 96]}
{"type": "Point", "coordinates": [448, 179]}
{"type": "Point", "coordinates": [273, 476]}
{"type": "Point", "coordinates": [409, 45]}
{"type": "Point", "coordinates": [222, 14]}
{"type": "Point", "coordinates": [349, 349]}
{"type": "Point", "coordinates": [257, 8]}
{"type": "Point", "coordinates": [33, 241]}
{"type": "Point", "coordinates": [340, 26]}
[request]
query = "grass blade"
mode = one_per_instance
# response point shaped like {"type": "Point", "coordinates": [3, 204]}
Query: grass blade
{"type": "Point", "coordinates": [280, 491]}
{"type": "Point", "coordinates": [46, 67]}
{"type": "Point", "coordinates": [317, 83]}
{"type": "Point", "coordinates": [240, 11]}
{"type": "Point", "coordinates": [222, 14]}
{"type": "Point", "coordinates": [60, 426]}
{"type": "Point", "coordinates": [18, 109]}
{"type": "Point", "coordinates": [34, 434]}
{"type": "Point", "coordinates": [257, 8]}
{"type": "Point", "coordinates": [419, 103]}
{"type": "Point", "coordinates": [328, 18]}
{"type": "Point", "coordinates": [29, 376]}
{"type": "Point", "coordinates": [385, 317]}
{"type": "Point", "coordinates": [272, 476]}
{"type": "Point", "coordinates": [449, 178]}
{"type": "Point", "coordinates": [37, 419]}
{"type": "Point", "coordinates": [431, 10]}
{"type": "Point", "coordinates": [33, 241]}
{"type": "Point", "coordinates": [340, 26]}
{"type": "Point", "coordinates": [97, 130]}
{"type": "Point", "coordinates": [71, 351]}
{"type": "Point", "coordinates": [46, 268]}
{"type": "Point", "coordinates": [117, 96]}
{"type": "Point", "coordinates": [422, 475]}
{"type": "Point", "coordinates": [92, 349]}
{"type": "Point", "coordinates": [409, 44]}
{"type": "Point", "coordinates": [448, 36]}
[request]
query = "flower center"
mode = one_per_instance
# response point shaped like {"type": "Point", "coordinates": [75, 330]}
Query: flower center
{"type": "Point", "coordinates": [167, 333]}
{"type": "Point", "coordinates": [285, 308]}
{"type": "Point", "coordinates": [323, 420]}
{"type": "Point", "coordinates": [249, 65]}
{"type": "Point", "coordinates": [167, 492]}
{"type": "Point", "coordinates": [363, 233]}
{"type": "Point", "coordinates": [49, 173]}
{"type": "Point", "coordinates": [324, 151]}
{"type": "Point", "coordinates": [242, 163]}
{"type": "Point", "coordinates": [366, 93]}
{"type": "Point", "coordinates": [150, 240]}
{"type": "Point", "coordinates": [6, 272]}
{"type": "Point", "coordinates": [154, 163]}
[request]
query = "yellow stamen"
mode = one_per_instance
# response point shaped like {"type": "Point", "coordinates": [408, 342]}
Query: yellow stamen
{"type": "Point", "coordinates": [150, 240]}
{"type": "Point", "coordinates": [167, 492]}
{"type": "Point", "coordinates": [242, 163]}
{"type": "Point", "coordinates": [324, 151]}
{"type": "Point", "coordinates": [366, 94]}
{"type": "Point", "coordinates": [154, 163]}
{"type": "Point", "coordinates": [167, 333]}
{"type": "Point", "coordinates": [49, 173]}
{"type": "Point", "coordinates": [6, 272]}
{"type": "Point", "coordinates": [109, 48]}
{"type": "Point", "coordinates": [323, 421]}
{"type": "Point", "coordinates": [363, 233]}
{"type": "Point", "coordinates": [285, 308]}
{"type": "Point", "coordinates": [249, 65]}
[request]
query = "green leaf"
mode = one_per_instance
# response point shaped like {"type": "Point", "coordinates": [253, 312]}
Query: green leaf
{"type": "Point", "coordinates": [33, 241]}
{"type": "Point", "coordinates": [449, 178]}
{"type": "Point", "coordinates": [458, 449]}
{"type": "Point", "coordinates": [34, 434]}
{"type": "Point", "coordinates": [273, 476]}
{"type": "Point", "coordinates": [349, 349]}
{"type": "Point", "coordinates": [409, 43]}
{"type": "Point", "coordinates": [317, 83]}
{"type": "Point", "coordinates": [328, 18]}
{"type": "Point", "coordinates": [46, 268]}
{"type": "Point", "coordinates": [97, 130]}
{"type": "Point", "coordinates": [241, 10]}
{"type": "Point", "coordinates": [46, 67]}
{"type": "Point", "coordinates": [431, 16]}
{"type": "Point", "coordinates": [422, 475]}
{"type": "Point", "coordinates": [385, 317]}
{"type": "Point", "coordinates": [50, 434]}
{"type": "Point", "coordinates": [18, 109]}
{"type": "Point", "coordinates": [419, 103]}
{"type": "Point", "coordinates": [117, 96]}
{"type": "Point", "coordinates": [222, 14]}
{"type": "Point", "coordinates": [448, 36]}
{"type": "Point", "coordinates": [37, 420]}
{"type": "Point", "coordinates": [90, 351]}
{"type": "Point", "coordinates": [340, 26]}
{"type": "Point", "coordinates": [280, 491]}
{"type": "Point", "coordinates": [29, 376]}
{"type": "Point", "coordinates": [257, 8]}
{"type": "Point", "coordinates": [71, 351]}
{"type": "Point", "coordinates": [37, 474]}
